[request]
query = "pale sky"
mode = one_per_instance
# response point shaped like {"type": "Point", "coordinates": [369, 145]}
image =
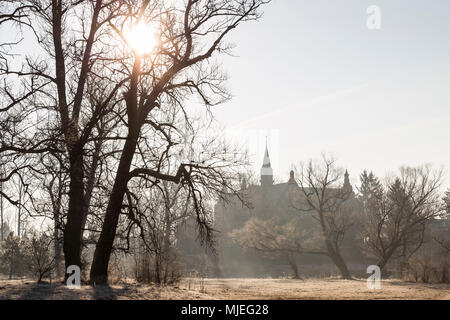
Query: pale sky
{"type": "Point", "coordinates": [313, 78]}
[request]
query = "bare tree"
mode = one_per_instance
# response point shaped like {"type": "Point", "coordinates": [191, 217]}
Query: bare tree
{"type": "Point", "coordinates": [327, 200]}
{"type": "Point", "coordinates": [446, 200]}
{"type": "Point", "coordinates": [156, 213]}
{"type": "Point", "coordinates": [396, 221]}
{"type": "Point", "coordinates": [52, 86]}
{"type": "Point", "coordinates": [1, 207]}
{"type": "Point", "coordinates": [163, 81]}
{"type": "Point", "coordinates": [50, 188]}
{"type": "Point", "coordinates": [444, 243]}
{"type": "Point", "coordinates": [82, 47]}
{"type": "Point", "coordinates": [278, 238]}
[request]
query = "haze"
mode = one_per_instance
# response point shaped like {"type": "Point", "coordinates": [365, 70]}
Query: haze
{"type": "Point", "coordinates": [321, 81]}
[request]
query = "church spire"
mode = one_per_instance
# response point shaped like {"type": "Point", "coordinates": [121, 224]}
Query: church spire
{"type": "Point", "coordinates": [292, 177]}
{"type": "Point", "coordinates": [347, 185]}
{"type": "Point", "coordinates": [266, 169]}
{"type": "Point", "coordinates": [266, 161]}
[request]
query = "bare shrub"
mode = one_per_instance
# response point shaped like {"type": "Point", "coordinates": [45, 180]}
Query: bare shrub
{"type": "Point", "coordinates": [428, 268]}
{"type": "Point", "coordinates": [278, 239]}
{"type": "Point", "coordinates": [151, 268]}
{"type": "Point", "coordinates": [117, 269]}
{"type": "Point", "coordinates": [38, 259]}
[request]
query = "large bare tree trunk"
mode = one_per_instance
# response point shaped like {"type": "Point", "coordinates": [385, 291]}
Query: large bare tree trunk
{"type": "Point", "coordinates": [89, 188]}
{"type": "Point", "coordinates": [1, 213]}
{"type": "Point", "coordinates": [382, 263]}
{"type": "Point", "coordinates": [294, 266]}
{"type": "Point", "coordinates": [72, 230]}
{"type": "Point", "coordinates": [57, 245]}
{"type": "Point", "coordinates": [230, 16]}
{"type": "Point", "coordinates": [337, 259]}
{"type": "Point", "coordinates": [99, 268]}
{"type": "Point", "coordinates": [19, 210]}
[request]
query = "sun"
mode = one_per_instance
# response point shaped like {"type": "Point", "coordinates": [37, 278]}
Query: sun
{"type": "Point", "coordinates": [141, 37]}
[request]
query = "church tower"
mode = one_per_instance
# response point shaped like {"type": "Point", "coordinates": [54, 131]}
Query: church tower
{"type": "Point", "coordinates": [266, 171]}
{"type": "Point", "coordinates": [347, 187]}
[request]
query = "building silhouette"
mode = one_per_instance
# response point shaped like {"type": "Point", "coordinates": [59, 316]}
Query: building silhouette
{"type": "Point", "coordinates": [267, 200]}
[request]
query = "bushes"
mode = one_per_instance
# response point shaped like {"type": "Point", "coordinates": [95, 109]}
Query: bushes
{"type": "Point", "coordinates": [31, 256]}
{"type": "Point", "coordinates": [117, 269]}
{"type": "Point", "coordinates": [12, 256]}
{"type": "Point", "coordinates": [39, 261]}
{"type": "Point", "coordinates": [157, 268]}
{"type": "Point", "coordinates": [428, 270]}
{"type": "Point", "coordinates": [430, 264]}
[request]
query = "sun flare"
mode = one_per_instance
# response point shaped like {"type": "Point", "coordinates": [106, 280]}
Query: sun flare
{"type": "Point", "coordinates": [141, 37]}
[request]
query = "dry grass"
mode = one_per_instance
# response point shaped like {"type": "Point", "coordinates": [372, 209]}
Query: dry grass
{"type": "Point", "coordinates": [240, 289]}
{"type": "Point", "coordinates": [277, 289]}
